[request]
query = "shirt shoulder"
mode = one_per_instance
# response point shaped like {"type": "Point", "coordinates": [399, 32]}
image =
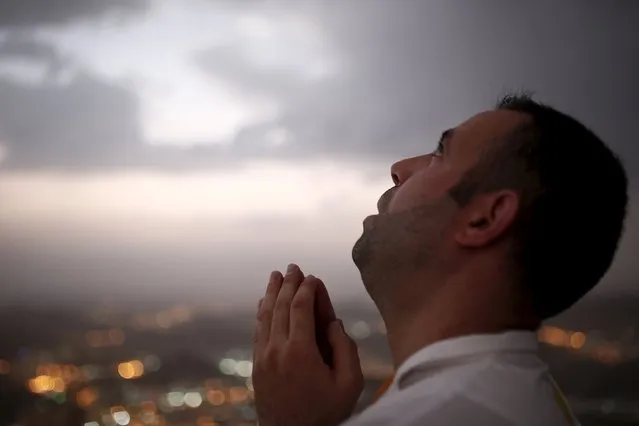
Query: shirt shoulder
{"type": "Point", "coordinates": [496, 391]}
{"type": "Point", "coordinates": [454, 411]}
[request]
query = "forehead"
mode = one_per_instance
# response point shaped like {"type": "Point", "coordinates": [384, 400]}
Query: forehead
{"type": "Point", "coordinates": [483, 131]}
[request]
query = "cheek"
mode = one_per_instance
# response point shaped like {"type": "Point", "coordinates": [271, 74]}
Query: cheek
{"type": "Point", "coordinates": [418, 190]}
{"type": "Point", "coordinates": [409, 195]}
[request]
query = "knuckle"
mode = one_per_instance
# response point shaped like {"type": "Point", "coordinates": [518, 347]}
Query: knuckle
{"type": "Point", "coordinates": [264, 315]}
{"type": "Point", "coordinates": [352, 382]}
{"type": "Point", "coordinates": [351, 378]}
{"type": "Point", "coordinates": [268, 360]}
{"type": "Point", "coordinates": [283, 305]}
{"type": "Point", "coordinates": [271, 354]}
{"type": "Point", "coordinates": [294, 347]}
{"type": "Point", "coordinates": [295, 351]}
{"type": "Point", "coordinates": [300, 302]}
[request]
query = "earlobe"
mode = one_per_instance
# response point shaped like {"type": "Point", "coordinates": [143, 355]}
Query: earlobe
{"type": "Point", "coordinates": [488, 217]}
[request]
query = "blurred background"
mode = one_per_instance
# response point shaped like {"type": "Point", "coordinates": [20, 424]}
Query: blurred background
{"type": "Point", "coordinates": [158, 158]}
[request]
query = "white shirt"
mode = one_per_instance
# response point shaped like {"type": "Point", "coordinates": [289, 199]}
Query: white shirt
{"type": "Point", "coordinates": [478, 380]}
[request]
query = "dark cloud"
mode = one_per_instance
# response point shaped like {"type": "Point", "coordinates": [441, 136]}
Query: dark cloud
{"type": "Point", "coordinates": [417, 67]}
{"type": "Point", "coordinates": [411, 68]}
{"type": "Point", "coordinates": [28, 47]}
{"type": "Point", "coordinates": [85, 123]}
{"type": "Point", "coordinates": [229, 63]}
{"type": "Point", "coordinates": [34, 13]}
{"type": "Point", "coordinates": [433, 62]}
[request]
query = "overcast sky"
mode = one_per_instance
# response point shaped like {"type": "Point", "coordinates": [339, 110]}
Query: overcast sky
{"type": "Point", "coordinates": [154, 149]}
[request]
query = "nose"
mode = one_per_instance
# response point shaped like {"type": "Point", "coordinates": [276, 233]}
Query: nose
{"type": "Point", "coordinates": [404, 169]}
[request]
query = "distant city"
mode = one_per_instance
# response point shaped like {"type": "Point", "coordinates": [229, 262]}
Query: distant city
{"type": "Point", "coordinates": [191, 365]}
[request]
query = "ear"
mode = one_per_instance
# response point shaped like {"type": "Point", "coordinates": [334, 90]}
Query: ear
{"type": "Point", "coordinates": [487, 217]}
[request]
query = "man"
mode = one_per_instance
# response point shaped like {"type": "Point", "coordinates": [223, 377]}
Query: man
{"type": "Point", "coordinates": [514, 217]}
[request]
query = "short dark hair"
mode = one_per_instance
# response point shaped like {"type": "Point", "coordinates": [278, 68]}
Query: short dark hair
{"type": "Point", "coordinates": [574, 198]}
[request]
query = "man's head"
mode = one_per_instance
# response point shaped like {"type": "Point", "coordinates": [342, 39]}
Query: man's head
{"type": "Point", "coordinates": [523, 187]}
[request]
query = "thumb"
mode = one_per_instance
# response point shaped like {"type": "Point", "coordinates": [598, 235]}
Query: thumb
{"type": "Point", "coordinates": [346, 367]}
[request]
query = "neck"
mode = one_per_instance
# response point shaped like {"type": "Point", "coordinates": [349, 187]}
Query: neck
{"type": "Point", "coordinates": [458, 310]}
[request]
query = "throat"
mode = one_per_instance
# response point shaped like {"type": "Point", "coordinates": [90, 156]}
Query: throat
{"type": "Point", "coordinates": [408, 333]}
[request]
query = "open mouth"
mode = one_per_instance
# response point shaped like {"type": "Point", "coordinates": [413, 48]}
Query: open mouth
{"type": "Point", "coordinates": [384, 200]}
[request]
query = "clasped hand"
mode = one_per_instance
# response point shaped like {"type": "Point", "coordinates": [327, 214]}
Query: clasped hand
{"type": "Point", "coordinates": [306, 369]}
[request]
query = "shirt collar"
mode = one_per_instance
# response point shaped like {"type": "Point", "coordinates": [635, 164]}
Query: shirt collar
{"type": "Point", "coordinates": [476, 344]}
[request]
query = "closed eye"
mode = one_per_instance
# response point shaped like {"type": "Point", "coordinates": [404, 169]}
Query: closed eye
{"type": "Point", "coordinates": [441, 145]}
